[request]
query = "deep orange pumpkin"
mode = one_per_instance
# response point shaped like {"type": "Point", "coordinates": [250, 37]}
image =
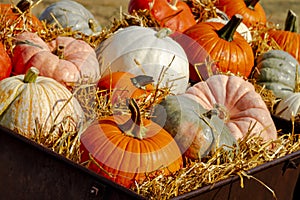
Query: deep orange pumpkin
{"type": "Point", "coordinates": [5, 63]}
{"type": "Point", "coordinates": [251, 10]}
{"type": "Point", "coordinates": [226, 47]}
{"type": "Point", "coordinates": [126, 149]}
{"type": "Point", "coordinates": [125, 85]}
{"type": "Point", "coordinates": [175, 14]}
{"type": "Point", "coordinates": [289, 38]}
{"type": "Point", "coordinates": [19, 17]}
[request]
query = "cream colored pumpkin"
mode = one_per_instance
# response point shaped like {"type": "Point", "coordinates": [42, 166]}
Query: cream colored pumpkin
{"type": "Point", "coordinates": [144, 51]}
{"type": "Point", "coordinates": [289, 106]}
{"type": "Point", "coordinates": [28, 100]}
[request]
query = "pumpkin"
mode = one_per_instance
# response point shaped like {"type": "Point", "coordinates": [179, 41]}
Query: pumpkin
{"type": "Point", "coordinates": [276, 70]}
{"type": "Point", "coordinates": [64, 59]}
{"type": "Point", "coordinates": [251, 10]}
{"type": "Point", "coordinates": [289, 38]}
{"type": "Point", "coordinates": [185, 119]}
{"type": "Point", "coordinates": [144, 51]}
{"type": "Point", "coordinates": [288, 107]}
{"type": "Point", "coordinates": [124, 85]}
{"type": "Point", "coordinates": [239, 105]}
{"type": "Point", "coordinates": [30, 99]}
{"type": "Point", "coordinates": [71, 14]}
{"type": "Point", "coordinates": [126, 149]}
{"type": "Point", "coordinates": [5, 63]}
{"type": "Point", "coordinates": [135, 5]}
{"type": "Point", "coordinates": [19, 17]}
{"type": "Point", "coordinates": [226, 47]}
{"type": "Point", "coordinates": [173, 14]}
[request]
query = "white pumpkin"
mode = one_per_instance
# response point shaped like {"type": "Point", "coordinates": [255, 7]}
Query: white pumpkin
{"type": "Point", "coordinates": [144, 51]}
{"type": "Point", "coordinates": [289, 106]}
{"type": "Point", "coordinates": [27, 98]}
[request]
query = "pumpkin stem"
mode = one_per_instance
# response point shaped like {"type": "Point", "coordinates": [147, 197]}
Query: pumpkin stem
{"type": "Point", "coordinates": [134, 126]}
{"type": "Point", "coordinates": [229, 29]}
{"type": "Point", "coordinates": [162, 33]}
{"type": "Point", "coordinates": [31, 75]}
{"type": "Point", "coordinates": [251, 3]}
{"type": "Point", "coordinates": [291, 22]}
{"type": "Point", "coordinates": [22, 6]}
{"type": "Point", "coordinates": [60, 51]}
{"type": "Point", "coordinates": [92, 25]}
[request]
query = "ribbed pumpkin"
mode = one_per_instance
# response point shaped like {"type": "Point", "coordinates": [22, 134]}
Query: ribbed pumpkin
{"type": "Point", "coordinates": [5, 63]}
{"type": "Point", "coordinates": [71, 14]}
{"type": "Point", "coordinates": [64, 59]}
{"type": "Point", "coordinates": [196, 133]}
{"type": "Point", "coordinates": [19, 17]}
{"type": "Point", "coordinates": [289, 38]}
{"type": "Point", "coordinates": [251, 10]}
{"type": "Point", "coordinates": [30, 99]}
{"type": "Point", "coordinates": [276, 70]}
{"type": "Point", "coordinates": [127, 148]}
{"type": "Point", "coordinates": [124, 85]}
{"type": "Point", "coordinates": [239, 105]}
{"type": "Point", "coordinates": [226, 47]}
{"type": "Point", "coordinates": [144, 51]}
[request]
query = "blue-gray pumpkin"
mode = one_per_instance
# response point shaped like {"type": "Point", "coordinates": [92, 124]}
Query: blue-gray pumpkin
{"type": "Point", "coordinates": [67, 13]}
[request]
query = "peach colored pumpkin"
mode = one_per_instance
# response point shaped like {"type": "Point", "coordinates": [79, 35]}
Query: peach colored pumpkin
{"type": "Point", "coordinates": [64, 59]}
{"type": "Point", "coordinates": [239, 105]}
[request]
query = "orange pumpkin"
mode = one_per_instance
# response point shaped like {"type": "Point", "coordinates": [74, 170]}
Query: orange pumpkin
{"type": "Point", "coordinates": [19, 17]}
{"type": "Point", "coordinates": [124, 85]}
{"type": "Point", "coordinates": [126, 149]}
{"type": "Point", "coordinates": [173, 14]}
{"type": "Point", "coordinates": [64, 59]}
{"type": "Point", "coordinates": [5, 63]}
{"type": "Point", "coordinates": [238, 104]}
{"type": "Point", "coordinates": [289, 38]}
{"type": "Point", "coordinates": [226, 47]}
{"type": "Point", "coordinates": [251, 10]}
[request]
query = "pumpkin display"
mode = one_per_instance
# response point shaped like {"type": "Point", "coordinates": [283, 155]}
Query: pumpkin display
{"type": "Point", "coordinates": [29, 100]}
{"type": "Point", "coordinates": [5, 63]}
{"type": "Point", "coordinates": [173, 14]}
{"type": "Point", "coordinates": [230, 51]}
{"type": "Point", "coordinates": [124, 85]}
{"type": "Point", "coordinates": [64, 59]}
{"type": "Point", "coordinates": [239, 105]}
{"type": "Point", "coordinates": [127, 148]}
{"type": "Point", "coordinates": [289, 38]}
{"type": "Point", "coordinates": [19, 17]}
{"type": "Point", "coordinates": [251, 10]}
{"type": "Point", "coordinates": [187, 121]}
{"type": "Point", "coordinates": [144, 51]}
{"type": "Point", "coordinates": [67, 13]}
{"type": "Point", "coordinates": [276, 70]}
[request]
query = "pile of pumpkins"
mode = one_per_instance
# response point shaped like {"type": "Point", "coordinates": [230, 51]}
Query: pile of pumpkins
{"type": "Point", "coordinates": [205, 65]}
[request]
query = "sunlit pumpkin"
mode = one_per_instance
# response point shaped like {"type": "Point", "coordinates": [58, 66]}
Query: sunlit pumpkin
{"type": "Point", "coordinates": [237, 103]}
{"type": "Point", "coordinates": [251, 10]}
{"type": "Point", "coordinates": [64, 59]}
{"type": "Point", "coordinates": [227, 48]}
{"type": "Point", "coordinates": [125, 149]}
{"type": "Point", "coordinates": [30, 101]}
